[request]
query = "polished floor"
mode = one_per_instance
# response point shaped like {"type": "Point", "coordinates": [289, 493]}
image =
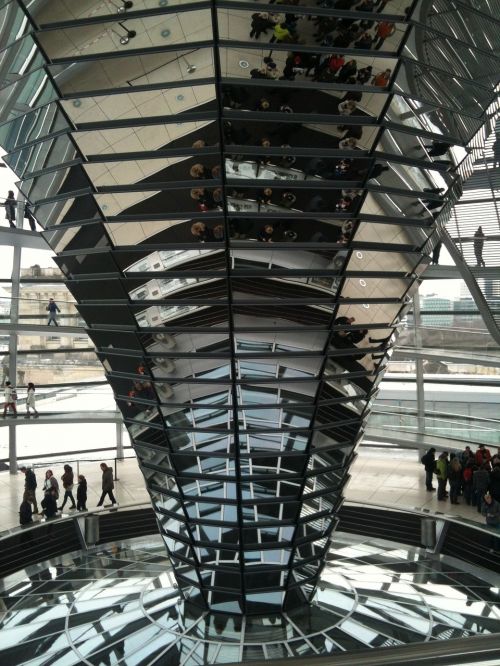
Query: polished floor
{"type": "Point", "coordinates": [385, 477]}
{"type": "Point", "coordinates": [118, 605]}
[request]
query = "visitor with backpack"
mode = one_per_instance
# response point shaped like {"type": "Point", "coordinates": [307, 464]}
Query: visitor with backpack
{"type": "Point", "coordinates": [428, 461]}
{"type": "Point", "coordinates": [442, 475]}
{"type": "Point", "coordinates": [30, 485]}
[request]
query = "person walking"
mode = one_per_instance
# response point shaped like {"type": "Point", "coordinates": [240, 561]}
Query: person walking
{"type": "Point", "coordinates": [68, 480]}
{"type": "Point", "coordinates": [30, 402]}
{"type": "Point", "coordinates": [478, 246]}
{"type": "Point", "coordinates": [436, 252]}
{"type": "Point", "coordinates": [10, 204]}
{"type": "Point", "coordinates": [52, 309]}
{"type": "Point", "coordinates": [10, 397]}
{"type": "Point", "coordinates": [30, 485]}
{"type": "Point", "coordinates": [107, 485]}
{"type": "Point", "coordinates": [81, 494]}
{"type": "Point", "coordinates": [428, 461]}
{"type": "Point", "coordinates": [442, 475]}
{"type": "Point", "coordinates": [50, 483]}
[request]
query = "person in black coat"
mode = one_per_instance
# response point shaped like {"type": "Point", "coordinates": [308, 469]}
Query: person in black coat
{"type": "Point", "coordinates": [25, 513]}
{"type": "Point", "coordinates": [81, 494]}
{"type": "Point", "coordinates": [427, 461]}
{"type": "Point", "coordinates": [49, 504]}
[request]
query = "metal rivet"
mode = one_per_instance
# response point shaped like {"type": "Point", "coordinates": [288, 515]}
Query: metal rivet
{"type": "Point", "coordinates": [179, 98]}
{"type": "Point", "coordinates": [362, 283]}
{"type": "Point", "coordinates": [77, 102]}
{"type": "Point", "coordinates": [165, 33]}
{"type": "Point", "coordinates": [244, 64]}
{"type": "Point", "coordinates": [359, 255]}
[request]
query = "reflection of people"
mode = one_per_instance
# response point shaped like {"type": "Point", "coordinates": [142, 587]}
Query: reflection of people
{"type": "Point", "coordinates": [345, 339]}
{"type": "Point", "coordinates": [10, 209]}
{"type": "Point", "coordinates": [436, 148]}
{"type": "Point", "coordinates": [478, 246]}
{"type": "Point", "coordinates": [381, 80]}
{"type": "Point", "coordinates": [265, 235]}
{"type": "Point", "coordinates": [52, 309]}
{"type": "Point", "coordinates": [203, 233]}
{"type": "Point", "coordinates": [384, 30]}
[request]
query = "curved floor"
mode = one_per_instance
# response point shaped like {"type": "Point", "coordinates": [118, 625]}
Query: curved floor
{"type": "Point", "coordinates": [118, 604]}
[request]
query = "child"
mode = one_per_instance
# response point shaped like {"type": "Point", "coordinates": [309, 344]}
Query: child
{"type": "Point", "coordinates": [81, 494]}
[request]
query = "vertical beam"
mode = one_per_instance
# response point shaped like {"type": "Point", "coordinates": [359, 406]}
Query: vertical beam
{"type": "Point", "coordinates": [12, 450]}
{"type": "Point", "coordinates": [119, 438]}
{"type": "Point", "coordinates": [419, 368]}
{"type": "Point", "coordinates": [13, 337]}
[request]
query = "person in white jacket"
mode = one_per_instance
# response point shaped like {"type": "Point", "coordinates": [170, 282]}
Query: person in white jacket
{"type": "Point", "coordinates": [30, 402]}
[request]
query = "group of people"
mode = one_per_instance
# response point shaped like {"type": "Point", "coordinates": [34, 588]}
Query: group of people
{"type": "Point", "coordinates": [475, 476]}
{"type": "Point", "coordinates": [290, 28]}
{"type": "Point", "coordinates": [51, 492]}
{"type": "Point", "coordinates": [10, 205]}
{"type": "Point", "coordinates": [10, 400]}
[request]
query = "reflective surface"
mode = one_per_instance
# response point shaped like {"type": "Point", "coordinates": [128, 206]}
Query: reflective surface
{"type": "Point", "coordinates": [119, 604]}
{"type": "Point", "coordinates": [242, 203]}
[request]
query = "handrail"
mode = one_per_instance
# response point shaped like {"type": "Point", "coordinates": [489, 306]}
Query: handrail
{"type": "Point", "coordinates": [63, 519]}
{"type": "Point", "coordinates": [414, 412]}
{"type": "Point", "coordinates": [451, 652]}
{"type": "Point", "coordinates": [421, 513]}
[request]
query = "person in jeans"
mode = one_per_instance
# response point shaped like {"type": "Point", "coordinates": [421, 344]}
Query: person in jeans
{"type": "Point", "coordinates": [67, 480]}
{"type": "Point", "coordinates": [10, 399]}
{"type": "Point", "coordinates": [107, 484]}
{"type": "Point", "coordinates": [52, 309]}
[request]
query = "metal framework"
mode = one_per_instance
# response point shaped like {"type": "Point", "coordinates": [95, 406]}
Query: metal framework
{"type": "Point", "coordinates": [163, 157]}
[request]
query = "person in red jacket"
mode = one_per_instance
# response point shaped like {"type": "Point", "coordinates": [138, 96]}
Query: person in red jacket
{"type": "Point", "coordinates": [483, 455]}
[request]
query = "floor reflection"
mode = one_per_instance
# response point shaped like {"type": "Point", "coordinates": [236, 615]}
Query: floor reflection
{"type": "Point", "coordinates": [120, 604]}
